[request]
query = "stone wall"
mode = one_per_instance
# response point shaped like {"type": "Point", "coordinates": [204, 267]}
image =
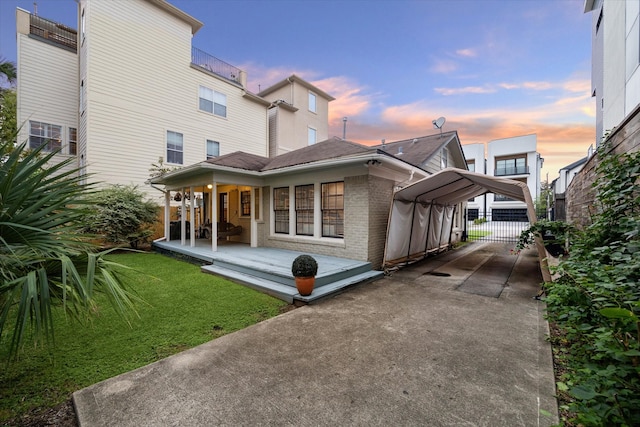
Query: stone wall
{"type": "Point", "coordinates": [580, 195]}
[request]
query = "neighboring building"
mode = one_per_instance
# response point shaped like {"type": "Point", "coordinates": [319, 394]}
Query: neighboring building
{"type": "Point", "coordinates": [128, 89]}
{"type": "Point", "coordinates": [476, 162]}
{"type": "Point", "coordinates": [514, 158]}
{"type": "Point", "coordinates": [330, 198]}
{"type": "Point", "coordinates": [616, 87]}
{"type": "Point", "coordinates": [298, 115]}
{"type": "Point", "coordinates": [615, 62]}
{"type": "Point", "coordinates": [559, 188]}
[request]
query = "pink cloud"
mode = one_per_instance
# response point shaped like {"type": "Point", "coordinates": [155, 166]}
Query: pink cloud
{"type": "Point", "coordinates": [468, 53]}
{"type": "Point", "coordinates": [464, 90]}
{"type": "Point", "coordinates": [443, 66]}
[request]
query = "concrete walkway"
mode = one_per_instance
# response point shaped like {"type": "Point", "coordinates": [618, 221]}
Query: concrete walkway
{"type": "Point", "coordinates": [415, 348]}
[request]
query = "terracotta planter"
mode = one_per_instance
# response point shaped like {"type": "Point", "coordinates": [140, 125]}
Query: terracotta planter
{"type": "Point", "coordinates": [305, 285]}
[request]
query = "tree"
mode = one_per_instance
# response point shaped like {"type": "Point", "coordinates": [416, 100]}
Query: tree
{"type": "Point", "coordinates": [8, 71]}
{"type": "Point", "coordinates": [120, 214]}
{"type": "Point", "coordinates": [8, 114]}
{"type": "Point", "coordinates": [44, 261]}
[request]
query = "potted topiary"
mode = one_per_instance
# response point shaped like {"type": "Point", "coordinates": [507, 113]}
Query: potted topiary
{"type": "Point", "coordinates": [304, 269]}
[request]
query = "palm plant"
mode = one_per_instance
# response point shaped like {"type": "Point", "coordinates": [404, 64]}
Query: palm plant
{"type": "Point", "coordinates": [44, 261]}
{"type": "Point", "coordinates": [8, 70]}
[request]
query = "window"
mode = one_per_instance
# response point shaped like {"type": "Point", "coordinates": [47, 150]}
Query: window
{"type": "Point", "coordinates": [444, 158]}
{"type": "Point", "coordinates": [281, 209]}
{"type": "Point", "coordinates": [245, 203]}
{"type": "Point", "coordinates": [73, 141]}
{"type": "Point", "coordinates": [333, 209]}
{"type": "Point", "coordinates": [312, 136]}
{"type": "Point", "coordinates": [312, 102]}
{"type": "Point", "coordinates": [213, 149]}
{"type": "Point", "coordinates": [213, 102]}
{"type": "Point", "coordinates": [472, 165]}
{"type": "Point", "coordinates": [516, 165]}
{"type": "Point", "coordinates": [304, 210]}
{"type": "Point", "coordinates": [174, 147]}
{"type": "Point", "coordinates": [45, 134]}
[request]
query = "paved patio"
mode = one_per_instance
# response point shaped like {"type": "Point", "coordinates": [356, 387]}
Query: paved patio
{"type": "Point", "coordinates": [410, 349]}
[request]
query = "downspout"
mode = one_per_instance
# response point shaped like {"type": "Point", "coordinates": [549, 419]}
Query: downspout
{"type": "Point", "coordinates": [406, 180]}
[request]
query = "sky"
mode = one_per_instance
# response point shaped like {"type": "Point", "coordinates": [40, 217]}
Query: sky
{"type": "Point", "coordinates": [493, 69]}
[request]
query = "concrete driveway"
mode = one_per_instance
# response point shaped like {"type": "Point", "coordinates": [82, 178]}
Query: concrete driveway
{"type": "Point", "coordinates": [414, 348]}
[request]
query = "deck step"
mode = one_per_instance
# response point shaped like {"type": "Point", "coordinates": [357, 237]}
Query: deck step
{"type": "Point", "coordinates": [290, 293]}
{"type": "Point", "coordinates": [275, 289]}
{"type": "Point", "coordinates": [276, 273]}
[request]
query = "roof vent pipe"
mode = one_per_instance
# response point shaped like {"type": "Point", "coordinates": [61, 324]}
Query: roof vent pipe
{"type": "Point", "coordinates": [384, 147]}
{"type": "Point", "coordinates": [399, 150]}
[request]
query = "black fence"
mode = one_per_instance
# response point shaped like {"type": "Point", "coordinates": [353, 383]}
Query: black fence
{"type": "Point", "coordinates": [498, 225]}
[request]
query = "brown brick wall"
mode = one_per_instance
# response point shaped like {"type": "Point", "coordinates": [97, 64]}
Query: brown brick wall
{"type": "Point", "coordinates": [580, 195]}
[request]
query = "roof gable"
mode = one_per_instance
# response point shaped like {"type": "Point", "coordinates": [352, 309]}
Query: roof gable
{"type": "Point", "coordinates": [417, 151]}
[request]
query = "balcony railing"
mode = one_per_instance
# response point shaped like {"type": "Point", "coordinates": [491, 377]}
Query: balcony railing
{"type": "Point", "coordinates": [501, 198]}
{"type": "Point", "coordinates": [514, 170]}
{"type": "Point", "coordinates": [215, 65]}
{"type": "Point", "coordinates": [54, 32]}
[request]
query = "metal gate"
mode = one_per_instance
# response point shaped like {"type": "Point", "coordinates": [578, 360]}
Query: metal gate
{"type": "Point", "coordinates": [497, 225]}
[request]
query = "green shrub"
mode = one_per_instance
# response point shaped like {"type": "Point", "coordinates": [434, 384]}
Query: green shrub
{"type": "Point", "coordinates": [44, 262]}
{"type": "Point", "coordinates": [479, 221]}
{"type": "Point", "coordinates": [121, 215]}
{"type": "Point", "coordinates": [596, 301]}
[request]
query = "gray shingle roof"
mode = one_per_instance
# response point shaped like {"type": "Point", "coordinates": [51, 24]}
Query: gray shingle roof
{"type": "Point", "coordinates": [329, 149]}
{"type": "Point", "coordinates": [416, 150]}
{"type": "Point", "coordinates": [241, 160]}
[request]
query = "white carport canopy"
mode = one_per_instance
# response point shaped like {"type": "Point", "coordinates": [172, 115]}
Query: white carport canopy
{"type": "Point", "coordinates": [422, 213]}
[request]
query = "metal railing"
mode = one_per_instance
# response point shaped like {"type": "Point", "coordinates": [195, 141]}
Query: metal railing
{"type": "Point", "coordinates": [57, 33]}
{"type": "Point", "coordinates": [514, 170]}
{"type": "Point", "coordinates": [215, 65]}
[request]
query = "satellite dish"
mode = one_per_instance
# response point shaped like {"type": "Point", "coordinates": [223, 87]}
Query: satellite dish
{"type": "Point", "coordinates": [437, 124]}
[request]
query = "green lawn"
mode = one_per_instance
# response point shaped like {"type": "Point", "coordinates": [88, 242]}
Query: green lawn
{"type": "Point", "coordinates": [476, 234]}
{"type": "Point", "coordinates": [183, 308]}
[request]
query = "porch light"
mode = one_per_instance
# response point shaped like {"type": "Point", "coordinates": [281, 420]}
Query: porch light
{"type": "Point", "coordinates": [209, 186]}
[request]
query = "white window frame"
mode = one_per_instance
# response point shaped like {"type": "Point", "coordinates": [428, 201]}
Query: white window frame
{"type": "Point", "coordinates": [313, 102]}
{"type": "Point", "coordinates": [211, 156]}
{"type": "Point", "coordinates": [444, 158]}
{"type": "Point", "coordinates": [241, 213]}
{"type": "Point", "coordinates": [312, 132]}
{"type": "Point", "coordinates": [175, 149]}
{"type": "Point", "coordinates": [49, 134]}
{"type": "Point", "coordinates": [71, 141]}
{"type": "Point", "coordinates": [216, 102]}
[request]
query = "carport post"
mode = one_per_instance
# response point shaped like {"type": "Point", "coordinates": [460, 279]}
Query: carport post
{"type": "Point", "coordinates": [426, 244]}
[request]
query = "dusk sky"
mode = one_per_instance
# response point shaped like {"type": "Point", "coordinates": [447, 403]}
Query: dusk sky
{"type": "Point", "coordinates": [494, 69]}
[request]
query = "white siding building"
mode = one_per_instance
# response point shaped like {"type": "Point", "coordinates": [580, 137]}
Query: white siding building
{"type": "Point", "coordinates": [615, 78]}
{"type": "Point", "coordinates": [128, 89]}
{"type": "Point", "coordinates": [514, 158]}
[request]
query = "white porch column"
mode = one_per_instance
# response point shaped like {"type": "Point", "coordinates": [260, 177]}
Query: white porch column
{"type": "Point", "coordinates": [254, 224]}
{"type": "Point", "coordinates": [192, 202]}
{"type": "Point", "coordinates": [167, 215]}
{"type": "Point", "coordinates": [183, 220]}
{"type": "Point", "coordinates": [214, 219]}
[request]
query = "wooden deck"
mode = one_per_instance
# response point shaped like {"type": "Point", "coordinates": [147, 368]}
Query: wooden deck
{"type": "Point", "coordinates": [269, 270]}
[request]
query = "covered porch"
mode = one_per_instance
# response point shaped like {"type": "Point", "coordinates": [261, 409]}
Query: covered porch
{"type": "Point", "coordinates": [269, 270]}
